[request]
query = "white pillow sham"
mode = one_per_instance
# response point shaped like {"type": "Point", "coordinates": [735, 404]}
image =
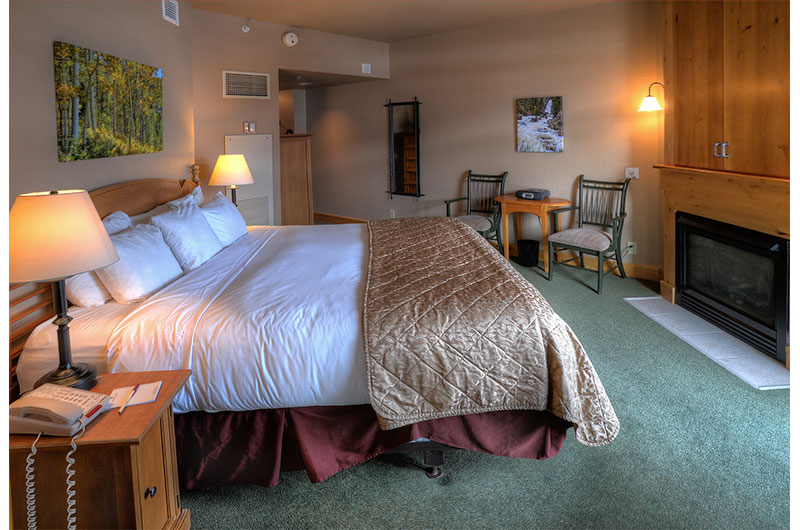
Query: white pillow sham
{"type": "Point", "coordinates": [145, 265]}
{"type": "Point", "coordinates": [116, 222]}
{"type": "Point", "coordinates": [224, 218]}
{"type": "Point", "coordinates": [196, 195]}
{"type": "Point", "coordinates": [144, 218]}
{"type": "Point", "coordinates": [188, 234]}
{"type": "Point", "coordinates": [86, 289]}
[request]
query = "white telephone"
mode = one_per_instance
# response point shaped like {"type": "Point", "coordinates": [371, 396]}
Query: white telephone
{"type": "Point", "coordinates": [54, 410]}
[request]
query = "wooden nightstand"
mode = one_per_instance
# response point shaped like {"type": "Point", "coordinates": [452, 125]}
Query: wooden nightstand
{"type": "Point", "coordinates": [119, 458]}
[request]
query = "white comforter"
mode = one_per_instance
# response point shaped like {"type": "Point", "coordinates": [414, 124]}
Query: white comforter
{"type": "Point", "coordinates": [272, 321]}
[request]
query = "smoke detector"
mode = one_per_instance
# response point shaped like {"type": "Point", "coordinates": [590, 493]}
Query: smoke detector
{"type": "Point", "coordinates": [289, 39]}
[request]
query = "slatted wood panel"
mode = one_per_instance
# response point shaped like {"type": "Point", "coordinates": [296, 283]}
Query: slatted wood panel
{"type": "Point", "coordinates": [30, 304]}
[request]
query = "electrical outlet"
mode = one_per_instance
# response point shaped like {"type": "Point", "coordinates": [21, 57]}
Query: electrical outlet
{"type": "Point", "coordinates": [632, 247]}
{"type": "Point", "coordinates": [246, 127]}
{"type": "Point", "coordinates": [392, 214]}
{"type": "Point", "coordinates": [631, 172]}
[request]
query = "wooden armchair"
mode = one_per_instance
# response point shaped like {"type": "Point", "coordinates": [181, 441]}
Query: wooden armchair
{"type": "Point", "coordinates": [600, 204]}
{"type": "Point", "coordinates": [483, 214]}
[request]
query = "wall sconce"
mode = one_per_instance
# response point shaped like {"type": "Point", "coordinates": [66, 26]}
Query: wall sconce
{"type": "Point", "coordinates": [650, 102]}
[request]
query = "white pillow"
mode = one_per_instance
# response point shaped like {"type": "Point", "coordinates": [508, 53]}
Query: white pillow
{"type": "Point", "coordinates": [116, 222]}
{"type": "Point", "coordinates": [188, 234]}
{"type": "Point", "coordinates": [224, 218]}
{"type": "Point", "coordinates": [196, 195]}
{"type": "Point", "coordinates": [144, 218]}
{"type": "Point", "coordinates": [145, 265]}
{"type": "Point", "coordinates": [86, 289]}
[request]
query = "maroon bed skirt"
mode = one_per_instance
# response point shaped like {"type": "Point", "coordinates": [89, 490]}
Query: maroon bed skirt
{"type": "Point", "coordinates": [216, 449]}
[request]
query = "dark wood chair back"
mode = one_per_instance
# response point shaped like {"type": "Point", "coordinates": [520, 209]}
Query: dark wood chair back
{"type": "Point", "coordinates": [599, 201]}
{"type": "Point", "coordinates": [481, 191]}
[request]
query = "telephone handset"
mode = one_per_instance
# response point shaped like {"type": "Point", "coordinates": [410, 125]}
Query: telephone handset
{"type": "Point", "coordinates": [54, 410]}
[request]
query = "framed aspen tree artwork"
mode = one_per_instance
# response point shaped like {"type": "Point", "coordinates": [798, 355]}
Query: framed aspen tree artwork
{"type": "Point", "coordinates": [105, 106]}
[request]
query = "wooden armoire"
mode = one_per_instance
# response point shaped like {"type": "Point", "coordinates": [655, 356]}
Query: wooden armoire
{"type": "Point", "coordinates": [297, 200]}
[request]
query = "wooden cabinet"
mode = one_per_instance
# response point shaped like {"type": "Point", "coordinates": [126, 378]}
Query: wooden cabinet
{"type": "Point", "coordinates": [126, 473]}
{"type": "Point", "coordinates": [727, 85]}
{"type": "Point", "coordinates": [297, 201]}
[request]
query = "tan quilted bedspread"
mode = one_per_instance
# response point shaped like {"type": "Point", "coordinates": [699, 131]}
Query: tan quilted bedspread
{"type": "Point", "coordinates": [450, 328]}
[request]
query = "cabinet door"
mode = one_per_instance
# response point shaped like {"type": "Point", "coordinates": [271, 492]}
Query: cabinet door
{"type": "Point", "coordinates": [152, 479]}
{"type": "Point", "coordinates": [756, 93]}
{"type": "Point", "coordinates": [693, 75]}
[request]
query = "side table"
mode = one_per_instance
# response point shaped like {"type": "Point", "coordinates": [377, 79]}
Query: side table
{"type": "Point", "coordinates": [126, 473]}
{"type": "Point", "coordinates": [511, 204]}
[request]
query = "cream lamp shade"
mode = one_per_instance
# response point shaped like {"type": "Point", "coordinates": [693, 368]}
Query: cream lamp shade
{"type": "Point", "coordinates": [54, 235]}
{"type": "Point", "coordinates": [650, 103]}
{"type": "Point", "coordinates": [231, 170]}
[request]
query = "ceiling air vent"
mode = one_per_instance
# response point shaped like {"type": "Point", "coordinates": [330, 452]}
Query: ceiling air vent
{"type": "Point", "coordinates": [169, 10]}
{"type": "Point", "coordinates": [245, 85]}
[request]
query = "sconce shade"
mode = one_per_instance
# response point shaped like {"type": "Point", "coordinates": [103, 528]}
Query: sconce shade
{"type": "Point", "coordinates": [650, 103]}
{"type": "Point", "coordinates": [54, 235]}
{"type": "Point", "coordinates": [231, 170]}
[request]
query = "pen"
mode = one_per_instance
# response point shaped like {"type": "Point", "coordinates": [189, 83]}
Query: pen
{"type": "Point", "coordinates": [128, 399]}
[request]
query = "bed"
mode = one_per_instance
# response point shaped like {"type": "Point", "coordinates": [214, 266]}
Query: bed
{"type": "Point", "coordinates": [320, 347]}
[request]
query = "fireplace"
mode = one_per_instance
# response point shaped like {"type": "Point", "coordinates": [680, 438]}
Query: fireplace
{"type": "Point", "coordinates": [736, 278]}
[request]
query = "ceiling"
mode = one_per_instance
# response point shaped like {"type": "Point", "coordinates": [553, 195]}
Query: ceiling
{"type": "Point", "coordinates": [386, 20]}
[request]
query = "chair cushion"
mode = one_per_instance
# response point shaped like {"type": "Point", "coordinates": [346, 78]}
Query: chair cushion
{"type": "Point", "coordinates": [476, 222]}
{"type": "Point", "coordinates": [582, 237]}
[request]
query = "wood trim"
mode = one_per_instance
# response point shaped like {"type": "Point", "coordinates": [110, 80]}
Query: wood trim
{"type": "Point", "coordinates": [336, 219]}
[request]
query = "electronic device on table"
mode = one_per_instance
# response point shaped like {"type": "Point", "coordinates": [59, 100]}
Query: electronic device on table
{"type": "Point", "coordinates": [534, 194]}
{"type": "Point", "coordinates": [54, 410]}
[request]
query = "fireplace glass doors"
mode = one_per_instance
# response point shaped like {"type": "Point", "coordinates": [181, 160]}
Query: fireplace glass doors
{"type": "Point", "coordinates": [735, 278]}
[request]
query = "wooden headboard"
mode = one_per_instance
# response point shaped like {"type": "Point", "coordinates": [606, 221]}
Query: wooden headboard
{"type": "Point", "coordinates": [30, 304]}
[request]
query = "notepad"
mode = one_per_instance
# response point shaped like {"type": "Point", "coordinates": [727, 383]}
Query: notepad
{"type": "Point", "coordinates": [147, 393]}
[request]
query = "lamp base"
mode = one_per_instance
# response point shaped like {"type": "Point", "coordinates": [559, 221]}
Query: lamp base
{"type": "Point", "coordinates": [79, 375]}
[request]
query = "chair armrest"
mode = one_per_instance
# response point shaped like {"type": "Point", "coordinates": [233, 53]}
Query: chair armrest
{"type": "Point", "coordinates": [447, 203]}
{"type": "Point", "coordinates": [556, 213]}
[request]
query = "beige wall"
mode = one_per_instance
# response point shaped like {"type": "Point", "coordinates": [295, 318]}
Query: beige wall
{"type": "Point", "coordinates": [600, 59]}
{"type": "Point", "coordinates": [219, 44]}
{"type": "Point", "coordinates": [131, 30]}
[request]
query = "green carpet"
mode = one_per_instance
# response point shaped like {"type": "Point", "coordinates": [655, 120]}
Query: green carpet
{"type": "Point", "coordinates": [698, 448]}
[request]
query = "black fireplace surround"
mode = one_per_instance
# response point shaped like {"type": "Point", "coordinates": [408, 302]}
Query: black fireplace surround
{"type": "Point", "coordinates": [737, 279]}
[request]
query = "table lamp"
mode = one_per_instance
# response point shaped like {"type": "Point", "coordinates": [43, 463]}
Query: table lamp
{"type": "Point", "coordinates": [52, 236]}
{"type": "Point", "coordinates": [231, 171]}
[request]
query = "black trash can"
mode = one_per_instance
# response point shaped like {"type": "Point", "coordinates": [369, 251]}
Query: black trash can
{"type": "Point", "coordinates": [528, 252]}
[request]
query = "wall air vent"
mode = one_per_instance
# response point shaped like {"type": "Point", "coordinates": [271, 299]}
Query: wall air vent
{"type": "Point", "coordinates": [169, 10]}
{"type": "Point", "coordinates": [245, 85]}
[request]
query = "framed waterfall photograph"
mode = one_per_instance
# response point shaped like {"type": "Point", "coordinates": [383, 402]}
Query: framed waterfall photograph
{"type": "Point", "coordinates": [540, 125]}
{"type": "Point", "coordinates": [105, 105]}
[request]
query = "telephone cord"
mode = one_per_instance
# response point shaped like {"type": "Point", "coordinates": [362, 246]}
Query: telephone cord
{"type": "Point", "coordinates": [71, 483]}
{"type": "Point", "coordinates": [30, 485]}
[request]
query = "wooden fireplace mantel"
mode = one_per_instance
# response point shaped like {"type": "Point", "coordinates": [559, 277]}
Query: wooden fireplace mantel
{"type": "Point", "coordinates": [756, 202]}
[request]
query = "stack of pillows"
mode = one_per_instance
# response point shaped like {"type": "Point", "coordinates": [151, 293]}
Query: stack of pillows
{"type": "Point", "coordinates": [156, 247]}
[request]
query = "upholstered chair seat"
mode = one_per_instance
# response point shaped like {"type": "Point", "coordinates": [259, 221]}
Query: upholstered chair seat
{"type": "Point", "coordinates": [478, 223]}
{"type": "Point", "coordinates": [583, 237]}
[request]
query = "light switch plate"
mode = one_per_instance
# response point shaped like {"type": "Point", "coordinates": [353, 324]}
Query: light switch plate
{"type": "Point", "coordinates": [366, 68]}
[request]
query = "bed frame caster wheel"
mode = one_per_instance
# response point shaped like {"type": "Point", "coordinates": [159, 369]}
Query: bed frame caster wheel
{"type": "Point", "coordinates": [434, 472]}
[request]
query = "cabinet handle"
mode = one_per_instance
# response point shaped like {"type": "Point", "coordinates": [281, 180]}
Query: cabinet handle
{"type": "Point", "coordinates": [724, 150]}
{"type": "Point", "coordinates": [150, 492]}
{"type": "Point", "coordinates": [716, 146]}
